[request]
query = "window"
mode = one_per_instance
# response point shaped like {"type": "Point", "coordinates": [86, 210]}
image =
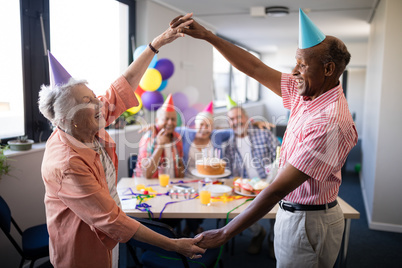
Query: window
{"type": "Point", "coordinates": [11, 90]}
{"type": "Point", "coordinates": [93, 44]}
{"type": "Point", "coordinates": [230, 81]}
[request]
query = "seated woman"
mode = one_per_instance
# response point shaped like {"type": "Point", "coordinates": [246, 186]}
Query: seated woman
{"type": "Point", "coordinates": [84, 220]}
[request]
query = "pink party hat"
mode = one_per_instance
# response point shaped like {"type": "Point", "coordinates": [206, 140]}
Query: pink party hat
{"type": "Point", "coordinates": [309, 34]}
{"type": "Point", "coordinates": [168, 106]}
{"type": "Point", "coordinates": [58, 75]}
{"type": "Point", "coordinates": [209, 108]}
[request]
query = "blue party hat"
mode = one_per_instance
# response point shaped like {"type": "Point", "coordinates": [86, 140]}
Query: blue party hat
{"type": "Point", "coordinates": [309, 34]}
{"type": "Point", "coordinates": [58, 75]}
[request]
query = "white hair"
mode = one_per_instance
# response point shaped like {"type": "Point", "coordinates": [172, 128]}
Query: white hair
{"type": "Point", "coordinates": [56, 102]}
{"type": "Point", "coordinates": [201, 116]}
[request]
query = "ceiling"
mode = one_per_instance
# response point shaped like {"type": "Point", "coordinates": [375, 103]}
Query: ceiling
{"type": "Point", "coordinates": [345, 19]}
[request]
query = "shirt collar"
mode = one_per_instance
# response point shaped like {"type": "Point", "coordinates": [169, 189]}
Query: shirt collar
{"type": "Point", "coordinates": [323, 100]}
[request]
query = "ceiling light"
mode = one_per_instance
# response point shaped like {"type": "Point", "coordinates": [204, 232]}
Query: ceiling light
{"type": "Point", "coordinates": [277, 11]}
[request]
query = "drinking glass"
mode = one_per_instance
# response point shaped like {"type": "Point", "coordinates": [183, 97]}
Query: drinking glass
{"type": "Point", "coordinates": [163, 175]}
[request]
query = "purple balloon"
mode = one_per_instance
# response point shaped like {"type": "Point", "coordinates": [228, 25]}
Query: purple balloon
{"type": "Point", "coordinates": [152, 100]}
{"type": "Point", "coordinates": [165, 67]}
{"type": "Point", "coordinates": [180, 100]}
{"type": "Point", "coordinates": [189, 116]}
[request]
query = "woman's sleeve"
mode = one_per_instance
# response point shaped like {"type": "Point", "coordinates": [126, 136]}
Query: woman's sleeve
{"type": "Point", "coordinates": [118, 98]}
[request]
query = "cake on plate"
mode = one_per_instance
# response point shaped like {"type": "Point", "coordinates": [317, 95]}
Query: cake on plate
{"type": "Point", "coordinates": [210, 166]}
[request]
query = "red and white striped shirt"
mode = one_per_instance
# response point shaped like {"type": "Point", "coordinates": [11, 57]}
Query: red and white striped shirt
{"type": "Point", "coordinates": [317, 141]}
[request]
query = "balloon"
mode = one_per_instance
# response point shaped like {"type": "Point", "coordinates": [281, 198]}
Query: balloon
{"type": "Point", "coordinates": [189, 116]}
{"type": "Point", "coordinates": [152, 100]}
{"type": "Point", "coordinates": [136, 109]}
{"type": "Point", "coordinates": [151, 80]}
{"type": "Point", "coordinates": [139, 91]}
{"type": "Point", "coordinates": [138, 52]}
{"type": "Point", "coordinates": [163, 85]}
{"type": "Point", "coordinates": [165, 67]}
{"type": "Point", "coordinates": [180, 100]}
{"type": "Point", "coordinates": [198, 106]}
{"type": "Point", "coordinates": [178, 121]}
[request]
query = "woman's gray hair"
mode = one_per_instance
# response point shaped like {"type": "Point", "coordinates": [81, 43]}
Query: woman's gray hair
{"type": "Point", "coordinates": [56, 102]}
{"type": "Point", "coordinates": [202, 116]}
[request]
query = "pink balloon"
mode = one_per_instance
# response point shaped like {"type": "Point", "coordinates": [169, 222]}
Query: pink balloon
{"type": "Point", "coordinates": [198, 106]}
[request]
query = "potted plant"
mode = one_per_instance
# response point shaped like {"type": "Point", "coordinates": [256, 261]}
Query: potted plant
{"type": "Point", "coordinates": [22, 143]}
{"type": "Point", "coordinates": [4, 165]}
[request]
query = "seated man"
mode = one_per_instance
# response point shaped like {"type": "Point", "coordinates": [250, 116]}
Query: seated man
{"type": "Point", "coordinates": [246, 153]}
{"type": "Point", "coordinates": [162, 146]}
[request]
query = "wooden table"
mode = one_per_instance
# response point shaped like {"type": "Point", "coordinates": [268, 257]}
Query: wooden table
{"type": "Point", "coordinates": [217, 210]}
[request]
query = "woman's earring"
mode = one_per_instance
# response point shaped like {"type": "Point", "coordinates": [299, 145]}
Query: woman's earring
{"type": "Point", "coordinates": [75, 126]}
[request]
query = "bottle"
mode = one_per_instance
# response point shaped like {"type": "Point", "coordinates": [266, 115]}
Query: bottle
{"type": "Point", "coordinates": [272, 169]}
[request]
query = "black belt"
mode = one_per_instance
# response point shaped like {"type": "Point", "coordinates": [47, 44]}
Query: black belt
{"type": "Point", "coordinates": [292, 207]}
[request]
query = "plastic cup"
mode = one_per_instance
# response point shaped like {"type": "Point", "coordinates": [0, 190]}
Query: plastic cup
{"type": "Point", "coordinates": [163, 176]}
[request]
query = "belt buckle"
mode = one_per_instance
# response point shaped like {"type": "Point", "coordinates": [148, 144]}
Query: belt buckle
{"type": "Point", "coordinates": [287, 207]}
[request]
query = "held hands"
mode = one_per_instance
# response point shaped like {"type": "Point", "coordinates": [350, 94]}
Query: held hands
{"type": "Point", "coordinates": [189, 248]}
{"type": "Point", "coordinates": [212, 238]}
{"type": "Point", "coordinates": [194, 29]}
{"type": "Point", "coordinates": [172, 34]}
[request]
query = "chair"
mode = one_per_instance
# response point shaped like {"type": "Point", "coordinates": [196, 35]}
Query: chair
{"type": "Point", "coordinates": [35, 240]}
{"type": "Point", "coordinates": [156, 257]}
{"type": "Point", "coordinates": [132, 163]}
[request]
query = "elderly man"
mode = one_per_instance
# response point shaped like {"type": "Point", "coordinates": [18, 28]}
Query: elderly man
{"type": "Point", "coordinates": [246, 154]}
{"type": "Point", "coordinates": [162, 146]}
{"type": "Point", "coordinates": [319, 136]}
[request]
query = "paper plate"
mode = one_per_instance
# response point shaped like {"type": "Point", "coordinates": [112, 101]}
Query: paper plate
{"type": "Point", "coordinates": [218, 189]}
{"type": "Point", "coordinates": [225, 174]}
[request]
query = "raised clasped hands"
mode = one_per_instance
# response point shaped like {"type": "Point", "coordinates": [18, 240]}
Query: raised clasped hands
{"type": "Point", "coordinates": [194, 29]}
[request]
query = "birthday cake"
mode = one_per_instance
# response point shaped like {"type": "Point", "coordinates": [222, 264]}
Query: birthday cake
{"type": "Point", "coordinates": [249, 186]}
{"type": "Point", "coordinates": [210, 166]}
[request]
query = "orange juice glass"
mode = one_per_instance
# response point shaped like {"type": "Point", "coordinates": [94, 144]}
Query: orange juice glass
{"type": "Point", "coordinates": [205, 197]}
{"type": "Point", "coordinates": [163, 176]}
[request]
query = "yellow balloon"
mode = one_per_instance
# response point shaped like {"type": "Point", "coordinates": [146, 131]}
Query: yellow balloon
{"type": "Point", "coordinates": [136, 109]}
{"type": "Point", "coordinates": [151, 80]}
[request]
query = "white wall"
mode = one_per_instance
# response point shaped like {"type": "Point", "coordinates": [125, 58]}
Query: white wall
{"type": "Point", "coordinates": [355, 96]}
{"type": "Point", "coordinates": [382, 146]}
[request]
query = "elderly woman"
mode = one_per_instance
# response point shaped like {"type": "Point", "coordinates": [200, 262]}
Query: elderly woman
{"type": "Point", "coordinates": [84, 220]}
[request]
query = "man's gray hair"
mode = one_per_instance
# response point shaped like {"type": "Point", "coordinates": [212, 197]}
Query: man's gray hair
{"type": "Point", "coordinates": [55, 103]}
{"type": "Point", "coordinates": [243, 111]}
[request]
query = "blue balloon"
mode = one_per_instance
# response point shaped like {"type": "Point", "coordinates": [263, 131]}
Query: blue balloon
{"type": "Point", "coordinates": [163, 85]}
{"type": "Point", "coordinates": [138, 52]}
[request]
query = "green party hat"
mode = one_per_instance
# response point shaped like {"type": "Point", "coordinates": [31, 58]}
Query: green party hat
{"type": "Point", "coordinates": [230, 103]}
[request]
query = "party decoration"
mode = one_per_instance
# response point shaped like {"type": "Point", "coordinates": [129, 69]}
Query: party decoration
{"type": "Point", "coordinates": [209, 108]}
{"type": "Point", "coordinates": [151, 80]}
{"type": "Point", "coordinates": [152, 100]}
{"type": "Point", "coordinates": [163, 85]}
{"type": "Point", "coordinates": [138, 52]}
{"type": "Point", "coordinates": [136, 109]}
{"type": "Point", "coordinates": [165, 67]}
{"type": "Point", "coordinates": [168, 105]}
{"type": "Point", "coordinates": [189, 116]}
{"type": "Point", "coordinates": [58, 75]}
{"type": "Point", "coordinates": [179, 122]}
{"type": "Point", "coordinates": [198, 106]}
{"type": "Point", "coordinates": [139, 91]}
{"type": "Point", "coordinates": [309, 34]}
{"type": "Point", "coordinates": [230, 103]}
{"type": "Point", "coordinates": [181, 101]}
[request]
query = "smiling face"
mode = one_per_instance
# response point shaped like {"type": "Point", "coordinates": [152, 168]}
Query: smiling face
{"type": "Point", "coordinates": [87, 114]}
{"type": "Point", "coordinates": [167, 120]}
{"type": "Point", "coordinates": [204, 128]}
{"type": "Point", "coordinates": [238, 121]}
{"type": "Point", "coordinates": [309, 72]}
